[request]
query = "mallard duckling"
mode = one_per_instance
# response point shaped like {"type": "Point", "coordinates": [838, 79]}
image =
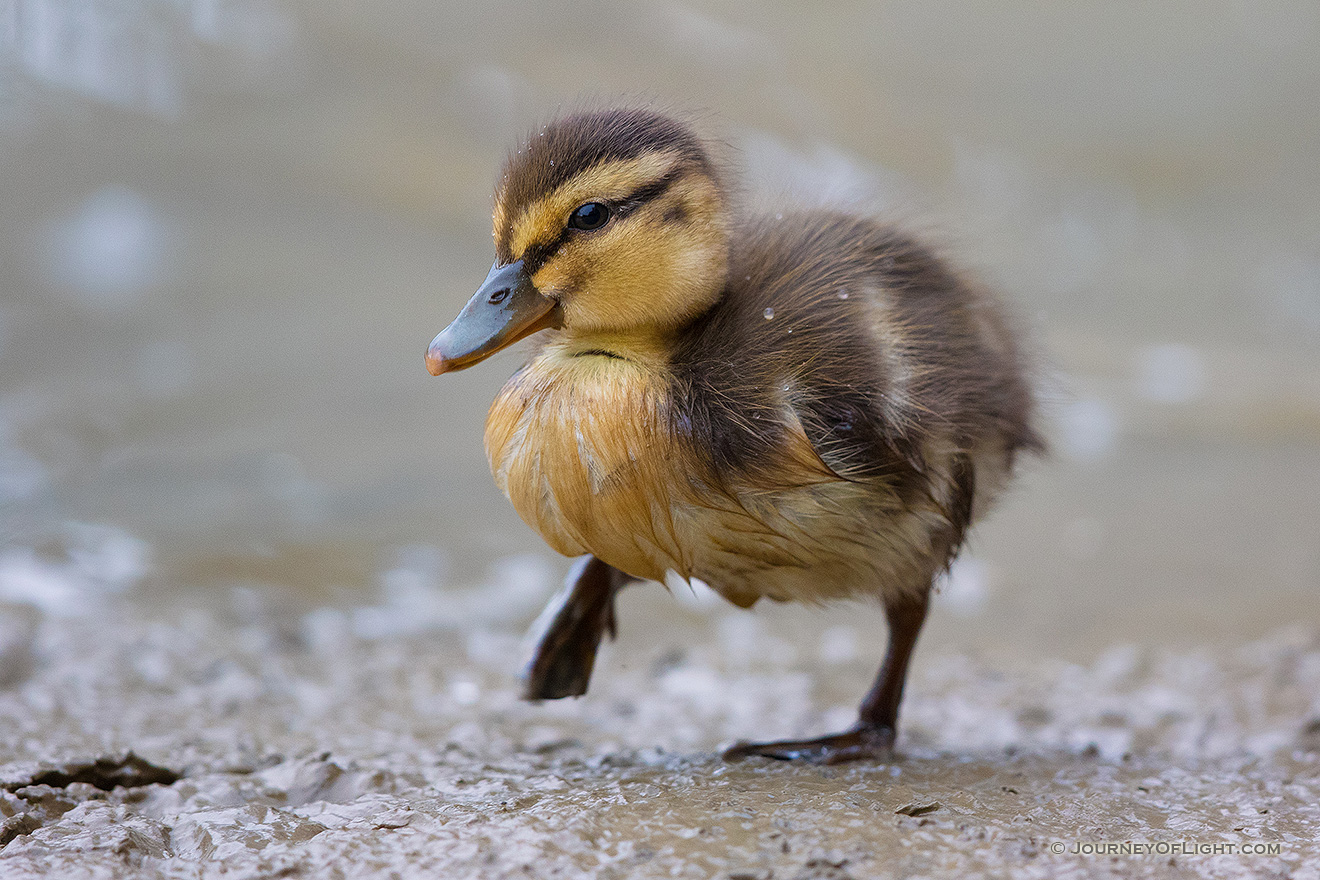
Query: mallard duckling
{"type": "Point", "coordinates": [804, 407]}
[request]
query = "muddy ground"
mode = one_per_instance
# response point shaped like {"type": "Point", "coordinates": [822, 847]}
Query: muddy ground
{"type": "Point", "coordinates": [341, 744]}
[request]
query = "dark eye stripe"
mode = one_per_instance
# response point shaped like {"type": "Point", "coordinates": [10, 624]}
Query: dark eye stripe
{"type": "Point", "coordinates": [647, 193]}
{"type": "Point", "coordinates": [536, 255]}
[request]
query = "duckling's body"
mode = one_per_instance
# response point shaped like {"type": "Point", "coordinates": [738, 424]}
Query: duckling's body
{"type": "Point", "coordinates": [776, 449]}
{"type": "Point", "coordinates": [805, 407]}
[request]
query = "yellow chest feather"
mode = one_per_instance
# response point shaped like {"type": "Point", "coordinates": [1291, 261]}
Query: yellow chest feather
{"type": "Point", "coordinates": [582, 448]}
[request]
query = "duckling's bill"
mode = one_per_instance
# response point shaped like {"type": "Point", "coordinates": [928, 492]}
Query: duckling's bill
{"type": "Point", "coordinates": [507, 307]}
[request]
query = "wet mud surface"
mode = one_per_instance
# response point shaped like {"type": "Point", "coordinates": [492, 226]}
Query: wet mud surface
{"type": "Point", "coordinates": [271, 744]}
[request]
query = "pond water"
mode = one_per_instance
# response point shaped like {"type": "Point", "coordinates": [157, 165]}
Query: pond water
{"type": "Point", "coordinates": [229, 229]}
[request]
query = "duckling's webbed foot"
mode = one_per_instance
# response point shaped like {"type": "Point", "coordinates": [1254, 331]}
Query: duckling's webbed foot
{"type": "Point", "coordinates": [579, 617]}
{"type": "Point", "coordinates": [872, 737]}
{"type": "Point", "coordinates": [862, 743]}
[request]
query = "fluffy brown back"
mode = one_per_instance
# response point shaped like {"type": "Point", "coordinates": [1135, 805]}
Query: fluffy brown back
{"type": "Point", "coordinates": [881, 351]}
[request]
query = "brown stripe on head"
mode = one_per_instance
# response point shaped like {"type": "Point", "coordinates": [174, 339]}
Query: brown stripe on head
{"type": "Point", "coordinates": [595, 149]}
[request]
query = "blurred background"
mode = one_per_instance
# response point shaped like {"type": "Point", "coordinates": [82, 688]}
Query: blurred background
{"type": "Point", "coordinates": [228, 229]}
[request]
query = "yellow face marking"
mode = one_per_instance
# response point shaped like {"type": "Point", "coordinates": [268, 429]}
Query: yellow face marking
{"type": "Point", "coordinates": [544, 218]}
{"type": "Point", "coordinates": [647, 274]}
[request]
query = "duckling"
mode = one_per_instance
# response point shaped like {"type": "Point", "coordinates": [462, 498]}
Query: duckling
{"type": "Point", "coordinates": [803, 407]}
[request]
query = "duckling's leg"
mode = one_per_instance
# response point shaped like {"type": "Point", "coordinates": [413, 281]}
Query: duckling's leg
{"type": "Point", "coordinates": [582, 613]}
{"type": "Point", "coordinates": [872, 737]}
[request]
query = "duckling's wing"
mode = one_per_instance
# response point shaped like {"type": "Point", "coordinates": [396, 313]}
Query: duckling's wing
{"type": "Point", "coordinates": [842, 340]}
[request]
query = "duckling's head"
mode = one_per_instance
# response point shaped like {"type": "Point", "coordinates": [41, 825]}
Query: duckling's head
{"type": "Point", "coordinates": [610, 223]}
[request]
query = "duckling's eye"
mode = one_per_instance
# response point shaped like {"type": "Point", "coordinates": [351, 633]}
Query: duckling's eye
{"type": "Point", "coordinates": [592, 215]}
